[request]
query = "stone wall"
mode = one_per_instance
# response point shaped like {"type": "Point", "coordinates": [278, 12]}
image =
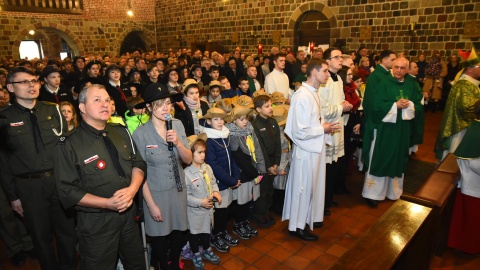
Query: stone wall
{"type": "Point", "coordinates": [103, 24]}
{"type": "Point", "coordinates": [100, 28]}
{"type": "Point", "coordinates": [440, 23]}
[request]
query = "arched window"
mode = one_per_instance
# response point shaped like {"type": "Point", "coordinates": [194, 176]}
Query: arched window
{"type": "Point", "coordinates": [30, 49]}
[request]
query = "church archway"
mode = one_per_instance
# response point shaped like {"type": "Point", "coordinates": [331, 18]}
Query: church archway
{"type": "Point", "coordinates": [310, 15]}
{"type": "Point", "coordinates": [133, 41]}
{"type": "Point", "coordinates": [312, 26]}
{"type": "Point", "coordinates": [70, 38]}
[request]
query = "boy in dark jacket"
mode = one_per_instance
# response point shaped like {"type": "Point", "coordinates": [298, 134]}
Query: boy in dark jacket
{"type": "Point", "coordinates": [268, 134]}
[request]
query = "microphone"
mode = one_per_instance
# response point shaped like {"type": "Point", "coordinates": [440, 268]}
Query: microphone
{"type": "Point", "coordinates": [168, 120]}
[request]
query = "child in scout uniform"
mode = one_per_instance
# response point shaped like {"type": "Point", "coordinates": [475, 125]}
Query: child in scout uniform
{"type": "Point", "coordinates": [225, 170]}
{"type": "Point", "coordinates": [202, 191]}
{"type": "Point", "coordinates": [213, 93]}
{"type": "Point", "coordinates": [268, 134]}
{"type": "Point", "coordinates": [280, 113]}
{"type": "Point", "coordinates": [248, 155]}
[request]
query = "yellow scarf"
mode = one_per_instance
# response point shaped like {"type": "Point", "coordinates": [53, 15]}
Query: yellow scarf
{"type": "Point", "coordinates": [207, 181]}
{"type": "Point", "coordinates": [251, 147]}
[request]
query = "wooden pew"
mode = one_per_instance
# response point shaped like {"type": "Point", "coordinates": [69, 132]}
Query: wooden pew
{"type": "Point", "coordinates": [440, 189]}
{"type": "Point", "coordinates": [392, 241]}
{"type": "Point", "coordinates": [412, 230]}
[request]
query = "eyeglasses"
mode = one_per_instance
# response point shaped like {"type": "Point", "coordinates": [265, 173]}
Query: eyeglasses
{"type": "Point", "coordinates": [336, 57]}
{"type": "Point", "coordinates": [27, 82]}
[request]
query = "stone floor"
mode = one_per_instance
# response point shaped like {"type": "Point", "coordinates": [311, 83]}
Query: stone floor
{"type": "Point", "coordinates": [275, 249]}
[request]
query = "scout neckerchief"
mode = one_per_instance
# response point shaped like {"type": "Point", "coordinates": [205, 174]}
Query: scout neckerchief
{"type": "Point", "coordinates": [207, 180]}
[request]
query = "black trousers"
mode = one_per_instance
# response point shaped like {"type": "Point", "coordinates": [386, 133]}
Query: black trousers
{"type": "Point", "coordinates": [167, 249]}
{"type": "Point", "coordinates": [241, 212]}
{"type": "Point", "coordinates": [264, 202]}
{"type": "Point", "coordinates": [197, 240]}
{"type": "Point", "coordinates": [12, 229]}
{"type": "Point", "coordinates": [42, 213]}
{"type": "Point", "coordinates": [220, 219]}
{"type": "Point", "coordinates": [105, 236]}
{"type": "Point", "coordinates": [333, 174]}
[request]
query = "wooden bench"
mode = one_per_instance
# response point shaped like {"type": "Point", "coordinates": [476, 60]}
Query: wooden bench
{"type": "Point", "coordinates": [412, 230]}
{"type": "Point", "coordinates": [390, 242]}
{"type": "Point", "coordinates": [440, 189]}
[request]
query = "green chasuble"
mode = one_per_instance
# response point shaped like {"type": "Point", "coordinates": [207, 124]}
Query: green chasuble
{"type": "Point", "coordinates": [469, 148]}
{"type": "Point", "coordinates": [377, 76]}
{"type": "Point", "coordinates": [390, 153]}
{"type": "Point", "coordinates": [458, 113]}
{"type": "Point", "coordinates": [418, 123]}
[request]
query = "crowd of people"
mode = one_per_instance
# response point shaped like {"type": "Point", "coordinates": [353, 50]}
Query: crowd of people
{"type": "Point", "coordinates": [90, 141]}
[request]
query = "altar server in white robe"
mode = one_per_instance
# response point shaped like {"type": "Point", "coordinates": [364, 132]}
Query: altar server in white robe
{"type": "Point", "coordinates": [305, 191]}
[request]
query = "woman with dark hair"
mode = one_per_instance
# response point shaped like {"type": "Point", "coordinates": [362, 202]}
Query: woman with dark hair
{"type": "Point", "coordinates": [92, 69]}
{"type": "Point", "coordinates": [171, 81]}
{"type": "Point", "coordinates": [184, 73]}
{"type": "Point", "coordinates": [192, 108]}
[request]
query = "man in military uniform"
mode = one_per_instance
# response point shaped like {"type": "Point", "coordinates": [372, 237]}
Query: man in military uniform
{"type": "Point", "coordinates": [98, 171]}
{"type": "Point", "coordinates": [27, 170]}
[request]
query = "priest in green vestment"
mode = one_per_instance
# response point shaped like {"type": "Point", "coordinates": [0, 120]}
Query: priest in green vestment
{"type": "Point", "coordinates": [459, 111]}
{"type": "Point", "coordinates": [380, 73]}
{"type": "Point", "coordinates": [394, 106]}
{"type": "Point", "coordinates": [418, 123]}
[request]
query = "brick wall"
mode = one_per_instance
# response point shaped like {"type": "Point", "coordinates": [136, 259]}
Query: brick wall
{"type": "Point", "coordinates": [440, 23]}
{"type": "Point", "coordinates": [100, 28]}
{"type": "Point", "coordinates": [103, 24]}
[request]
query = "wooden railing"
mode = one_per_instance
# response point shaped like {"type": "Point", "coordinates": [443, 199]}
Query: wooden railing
{"type": "Point", "coordinates": [44, 6]}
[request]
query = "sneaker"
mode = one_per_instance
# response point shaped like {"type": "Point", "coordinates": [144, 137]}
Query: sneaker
{"type": "Point", "coordinates": [252, 231]}
{"type": "Point", "coordinates": [240, 230]}
{"type": "Point", "coordinates": [229, 239]}
{"type": "Point", "coordinates": [198, 262]}
{"type": "Point", "coordinates": [210, 256]}
{"type": "Point", "coordinates": [218, 242]}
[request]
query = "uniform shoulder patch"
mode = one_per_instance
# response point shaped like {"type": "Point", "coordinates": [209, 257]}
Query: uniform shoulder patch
{"type": "Point", "coordinates": [49, 103]}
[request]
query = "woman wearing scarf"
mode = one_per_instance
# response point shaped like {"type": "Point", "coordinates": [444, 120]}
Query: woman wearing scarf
{"type": "Point", "coordinates": [191, 108]}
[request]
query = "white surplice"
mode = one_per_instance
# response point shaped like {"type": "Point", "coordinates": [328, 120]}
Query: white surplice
{"type": "Point", "coordinates": [305, 191]}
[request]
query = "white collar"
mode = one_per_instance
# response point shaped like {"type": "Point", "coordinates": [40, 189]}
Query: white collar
{"type": "Point", "coordinates": [113, 83]}
{"type": "Point", "coordinates": [50, 90]}
{"type": "Point", "coordinates": [470, 79]}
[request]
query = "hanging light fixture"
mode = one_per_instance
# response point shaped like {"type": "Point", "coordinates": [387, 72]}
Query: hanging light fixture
{"type": "Point", "coordinates": [129, 10]}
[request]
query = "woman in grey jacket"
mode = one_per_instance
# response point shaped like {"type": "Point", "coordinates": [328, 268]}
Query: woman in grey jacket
{"type": "Point", "coordinates": [164, 191]}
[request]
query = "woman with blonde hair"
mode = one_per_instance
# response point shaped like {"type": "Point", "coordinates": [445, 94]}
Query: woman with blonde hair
{"type": "Point", "coordinates": [70, 114]}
